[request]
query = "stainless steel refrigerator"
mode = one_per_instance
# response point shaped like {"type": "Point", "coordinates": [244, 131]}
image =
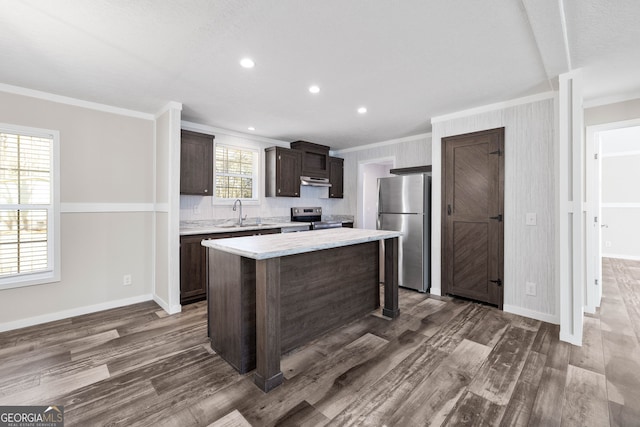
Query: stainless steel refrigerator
{"type": "Point", "coordinates": [404, 204]}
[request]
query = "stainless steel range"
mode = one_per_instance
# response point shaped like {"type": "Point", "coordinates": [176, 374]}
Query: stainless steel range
{"type": "Point", "coordinates": [314, 216]}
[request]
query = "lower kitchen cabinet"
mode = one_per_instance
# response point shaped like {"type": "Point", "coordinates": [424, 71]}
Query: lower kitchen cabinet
{"type": "Point", "coordinates": [193, 262]}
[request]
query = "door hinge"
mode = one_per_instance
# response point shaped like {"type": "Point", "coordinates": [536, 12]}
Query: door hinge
{"type": "Point", "coordinates": [498, 152]}
{"type": "Point", "coordinates": [497, 282]}
{"type": "Point", "coordinates": [499, 217]}
{"type": "Point", "coordinates": [595, 219]}
{"type": "Point", "coordinates": [596, 282]}
{"type": "Point", "coordinates": [448, 209]}
{"type": "Point", "coordinates": [595, 156]}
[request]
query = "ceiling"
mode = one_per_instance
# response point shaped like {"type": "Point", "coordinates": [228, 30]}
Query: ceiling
{"type": "Point", "coordinates": [405, 61]}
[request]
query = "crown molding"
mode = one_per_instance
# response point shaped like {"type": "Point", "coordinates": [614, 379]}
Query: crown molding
{"type": "Point", "coordinates": [494, 107]}
{"type": "Point", "coordinates": [384, 143]}
{"type": "Point", "coordinates": [17, 90]}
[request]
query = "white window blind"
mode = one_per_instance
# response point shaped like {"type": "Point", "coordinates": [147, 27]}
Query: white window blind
{"type": "Point", "coordinates": [235, 173]}
{"type": "Point", "coordinates": [28, 217]}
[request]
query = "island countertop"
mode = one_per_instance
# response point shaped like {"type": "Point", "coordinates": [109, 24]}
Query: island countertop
{"type": "Point", "coordinates": [277, 245]}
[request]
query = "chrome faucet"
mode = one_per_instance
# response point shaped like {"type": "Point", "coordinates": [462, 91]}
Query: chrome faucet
{"type": "Point", "coordinates": [240, 219]}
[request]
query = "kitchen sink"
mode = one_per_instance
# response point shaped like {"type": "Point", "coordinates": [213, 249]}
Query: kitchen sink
{"type": "Point", "coordinates": [245, 225]}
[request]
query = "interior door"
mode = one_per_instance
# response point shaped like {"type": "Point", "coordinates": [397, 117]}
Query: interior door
{"type": "Point", "coordinates": [473, 209]}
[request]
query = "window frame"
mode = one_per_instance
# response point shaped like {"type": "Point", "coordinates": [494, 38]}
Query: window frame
{"type": "Point", "coordinates": [256, 181]}
{"type": "Point", "coordinates": [52, 273]}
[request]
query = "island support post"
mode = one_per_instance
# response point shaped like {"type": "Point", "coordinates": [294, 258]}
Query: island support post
{"type": "Point", "coordinates": [391, 278]}
{"type": "Point", "coordinates": [268, 374]}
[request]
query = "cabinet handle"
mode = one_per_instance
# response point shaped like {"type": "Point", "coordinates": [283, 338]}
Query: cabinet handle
{"type": "Point", "coordinates": [278, 191]}
{"type": "Point", "coordinates": [206, 191]}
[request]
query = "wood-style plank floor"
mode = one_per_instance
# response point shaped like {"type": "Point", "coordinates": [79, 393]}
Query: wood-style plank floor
{"type": "Point", "coordinates": [442, 362]}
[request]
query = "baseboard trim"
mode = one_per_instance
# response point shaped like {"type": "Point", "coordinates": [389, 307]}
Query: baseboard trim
{"type": "Point", "coordinates": [532, 314]}
{"type": "Point", "coordinates": [629, 257]}
{"type": "Point", "coordinates": [435, 291]}
{"type": "Point", "coordinates": [571, 339]}
{"type": "Point", "coordinates": [65, 314]}
{"type": "Point", "coordinates": [166, 307]}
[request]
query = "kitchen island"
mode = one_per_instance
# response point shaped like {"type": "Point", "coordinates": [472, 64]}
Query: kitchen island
{"type": "Point", "coordinates": [270, 294]}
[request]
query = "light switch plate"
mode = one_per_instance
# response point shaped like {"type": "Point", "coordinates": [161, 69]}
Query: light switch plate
{"type": "Point", "coordinates": [531, 219]}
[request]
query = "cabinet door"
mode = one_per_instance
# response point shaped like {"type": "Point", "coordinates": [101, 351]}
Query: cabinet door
{"type": "Point", "coordinates": [192, 269]}
{"type": "Point", "coordinates": [336, 177]}
{"type": "Point", "coordinates": [196, 163]}
{"type": "Point", "coordinates": [288, 170]}
{"type": "Point", "coordinates": [193, 266]}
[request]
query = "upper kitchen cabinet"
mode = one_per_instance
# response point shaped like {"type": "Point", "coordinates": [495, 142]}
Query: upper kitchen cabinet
{"type": "Point", "coordinates": [336, 177]}
{"type": "Point", "coordinates": [315, 158]}
{"type": "Point", "coordinates": [282, 172]}
{"type": "Point", "coordinates": [196, 163]}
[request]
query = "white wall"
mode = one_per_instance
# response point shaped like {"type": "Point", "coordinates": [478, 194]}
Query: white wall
{"type": "Point", "coordinates": [369, 212]}
{"type": "Point", "coordinates": [408, 152]}
{"type": "Point", "coordinates": [106, 186]}
{"type": "Point", "coordinates": [617, 112]}
{"type": "Point", "coordinates": [166, 279]}
{"type": "Point", "coordinates": [530, 177]}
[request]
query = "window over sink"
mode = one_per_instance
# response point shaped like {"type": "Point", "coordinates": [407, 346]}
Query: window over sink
{"type": "Point", "coordinates": [235, 174]}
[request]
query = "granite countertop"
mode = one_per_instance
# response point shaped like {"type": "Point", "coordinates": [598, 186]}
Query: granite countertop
{"type": "Point", "coordinates": [276, 245]}
{"type": "Point", "coordinates": [187, 230]}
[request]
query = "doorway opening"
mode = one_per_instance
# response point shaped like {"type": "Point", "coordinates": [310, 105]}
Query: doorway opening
{"type": "Point", "coordinates": [368, 173]}
{"type": "Point", "coordinates": [614, 208]}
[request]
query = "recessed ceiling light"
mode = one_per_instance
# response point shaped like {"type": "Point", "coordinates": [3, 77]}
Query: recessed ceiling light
{"type": "Point", "coordinates": [314, 89]}
{"type": "Point", "coordinates": [247, 63]}
{"type": "Point", "coordinates": [251, 128]}
{"type": "Point", "coordinates": [362, 110]}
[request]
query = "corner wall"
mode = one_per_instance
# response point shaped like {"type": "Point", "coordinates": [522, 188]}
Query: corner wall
{"type": "Point", "coordinates": [106, 183]}
{"type": "Point", "coordinates": [408, 152]}
{"type": "Point", "coordinates": [530, 186]}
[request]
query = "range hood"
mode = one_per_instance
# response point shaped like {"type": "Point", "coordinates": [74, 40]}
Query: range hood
{"type": "Point", "coordinates": [314, 182]}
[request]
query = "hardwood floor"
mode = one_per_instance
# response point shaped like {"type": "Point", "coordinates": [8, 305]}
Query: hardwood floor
{"type": "Point", "coordinates": [442, 362]}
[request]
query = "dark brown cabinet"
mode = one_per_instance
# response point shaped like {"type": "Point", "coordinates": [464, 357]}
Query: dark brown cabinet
{"type": "Point", "coordinates": [196, 163]}
{"type": "Point", "coordinates": [336, 178]}
{"type": "Point", "coordinates": [282, 172]}
{"type": "Point", "coordinates": [193, 262]}
{"type": "Point", "coordinates": [315, 158]}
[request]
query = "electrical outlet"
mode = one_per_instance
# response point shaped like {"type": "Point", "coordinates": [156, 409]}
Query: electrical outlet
{"type": "Point", "coordinates": [531, 289]}
{"type": "Point", "coordinates": [126, 280]}
{"type": "Point", "coordinates": [607, 244]}
{"type": "Point", "coordinates": [531, 219]}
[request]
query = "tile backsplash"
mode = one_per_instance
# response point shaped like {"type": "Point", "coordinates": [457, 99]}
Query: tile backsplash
{"type": "Point", "coordinates": [198, 208]}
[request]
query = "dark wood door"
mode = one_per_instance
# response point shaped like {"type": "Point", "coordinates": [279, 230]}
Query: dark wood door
{"type": "Point", "coordinates": [196, 163]}
{"type": "Point", "coordinates": [336, 177]}
{"type": "Point", "coordinates": [472, 212]}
